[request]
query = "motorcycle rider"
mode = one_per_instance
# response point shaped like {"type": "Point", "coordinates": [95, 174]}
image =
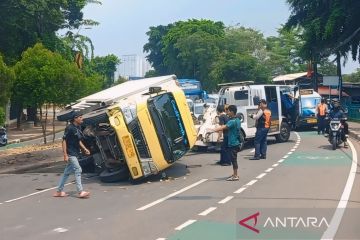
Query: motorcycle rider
{"type": "Point", "coordinates": [338, 113]}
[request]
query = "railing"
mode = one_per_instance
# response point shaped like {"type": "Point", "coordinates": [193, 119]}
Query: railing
{"type": "Point", "coordinates": [354, 112]}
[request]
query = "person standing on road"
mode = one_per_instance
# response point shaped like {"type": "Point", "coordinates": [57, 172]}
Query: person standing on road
{"type": "Point", "coordinates": [321, 111]}
{"type": "Point", "coordinates": [233, 143]}
{"type": "Point", "coordinates": [263, 122]}
{"type": "Point", "coordinates": [71, 145]}
{"type": "Point", "coordinates": [223, 119]}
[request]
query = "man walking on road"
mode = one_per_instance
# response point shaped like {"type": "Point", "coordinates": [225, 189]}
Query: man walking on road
{"type": "Point", "coordinates": [321, 111]}
{"type": "Point", "coordinates": [263, 122]}
{"type": "Point", "coordinates": [71, 145]}
{"type": "Point", "coordinates": [232, 148]}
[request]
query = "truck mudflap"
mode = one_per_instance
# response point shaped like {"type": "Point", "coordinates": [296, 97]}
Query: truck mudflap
{"type": "Point", "coordinates": [127, 143]}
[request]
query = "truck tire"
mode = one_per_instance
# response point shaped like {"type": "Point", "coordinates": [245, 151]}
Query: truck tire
{"type": "Point", "coordinates": [87, 164]}
{"type": "Point", "coordinates": [284, 134]}
{"type": "Point", "coordinates": [115, 175]}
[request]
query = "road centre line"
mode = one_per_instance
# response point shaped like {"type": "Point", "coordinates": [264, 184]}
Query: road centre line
{"type": "Point", "coordinates": [225, 200]}
{"type": "Point", "coordinates": [240, 190]}
{"type": "Point", "coordinates": [290, 153]}
{"type": "Point", "coordinates": [281, 160]}
{"type": "Point", "coordinates": [261, 176]}
{"type": "Point", "coordinates": [251, 182]}
{"type": "Point", "coordinates": [286, 156]}
{"type": "Point", "coordinates": [35, 193]}
{"type": "Point", "coordinates": [171, 195]}
{"type": "Point", "coordinates": [185, 224]}
{"type": "Point", "coordinates": [269, 170]}
{"type": "Point", "coordinates": [275, 165]}
{"type": "Point", "coordinates": [340, 210]}
{"type": "Point", "coordinates": [161, 239]}
{"type": "Point", "coordinates": [207, 211]}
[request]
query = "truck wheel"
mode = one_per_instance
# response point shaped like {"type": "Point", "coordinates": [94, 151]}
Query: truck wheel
{"type": "Point", "coordinates": [87, 164]}
{"type": "Point", "coordinates": [115, 175]}
{"type": "Point", "coordinates": [284, 134]}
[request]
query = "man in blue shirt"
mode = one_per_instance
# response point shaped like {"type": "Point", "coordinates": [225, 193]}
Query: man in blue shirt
{"type": "Point", "coordinates": [233, 127]}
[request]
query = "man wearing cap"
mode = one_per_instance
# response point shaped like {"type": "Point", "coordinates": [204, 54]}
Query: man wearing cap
{"type": "Point", "coordinates": [263, 122]}
{"type": "Point", "coordinates": [71, 145]}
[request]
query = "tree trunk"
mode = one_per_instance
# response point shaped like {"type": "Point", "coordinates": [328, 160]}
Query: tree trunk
{"type": "Point", "coordinates": [338, 63]}
{"type": "Point", "coordinates": [42, 125]}
{"type": "Point", "coordinates": [53, 122]}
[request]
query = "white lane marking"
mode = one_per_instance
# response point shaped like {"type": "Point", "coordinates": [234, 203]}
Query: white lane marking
{"type": "Point", "coordinates": [281, 160]}
{"type": "Point", "coordinates": [161, 239]}
{"type": "Point", "coordinates": [251, 182]}
{"type": "Point", "coordinates": [185, 224]}
{"type": "Point", "coordinates": [35, 193]}
{"type": "Point", "coordinates": [336, 219]}
{"type": "Point", "coordinates": [207, 211]}
{"type": "Point", "coordinates": [225, 200]}
{"type": "Point", "coordinates": [60, 230]}
{"type": "Point", "coordinates": [240, 190]}
{"type": "Point", "coordinates": [286, 156]}
{"type": "Point", "coordinates": [275, 165]}
{"type": "Point", "coordinates": [269, 170]}
{"type": "Point", "coordinates": [170, 195]}
{"type": "Point", "coordinates": [290, 153]}
{"type": "Point", "coordinates": [261, 176]}
{"type": "Point", "coordinates": [252, 150]}
{"type": "Point", "coordinates": [292, 149]}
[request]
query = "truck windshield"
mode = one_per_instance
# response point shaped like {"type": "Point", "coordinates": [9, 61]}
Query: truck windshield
{"type": "Point", "coordinates": [309, 103]}
{"type": "Point", "coordinates": [169, 126]}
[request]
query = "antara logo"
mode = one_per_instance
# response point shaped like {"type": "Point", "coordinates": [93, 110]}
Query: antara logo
{"type": "Point", "coordinates": [284, 222]}
{"type": "Point", "coordinates": [252, 228]}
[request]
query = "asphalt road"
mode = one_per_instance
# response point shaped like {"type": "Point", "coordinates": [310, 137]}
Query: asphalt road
{"type": "Point", "coordinates": [301, 179]}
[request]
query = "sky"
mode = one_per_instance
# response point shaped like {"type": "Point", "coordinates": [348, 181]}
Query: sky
{"type": "Point", "coordinates": [124, 23]}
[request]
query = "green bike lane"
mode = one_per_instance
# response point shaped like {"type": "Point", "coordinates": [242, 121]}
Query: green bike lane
{"type": "Point", "coordinates": [307, 184]}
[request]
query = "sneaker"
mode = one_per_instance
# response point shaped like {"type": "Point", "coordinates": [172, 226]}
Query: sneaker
{"type": "Point", "coordinates": [60, 194]}
{"type": "Point", "coordinates": [254, 158]}
{"type": "Point", "coordinates": [218, 162]}
{"type": "Point", "coordinates": [84, 194]}
{"type": "Point", "coordinates": [233, 178]}
{"type": "Point", "coordinates": [263, 157]}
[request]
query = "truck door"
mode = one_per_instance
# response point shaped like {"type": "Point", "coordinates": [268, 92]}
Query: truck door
{"type": "Point", "coordinates": [273, 105]}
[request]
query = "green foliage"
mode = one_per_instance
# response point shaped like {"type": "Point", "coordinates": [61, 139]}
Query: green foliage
{"type": "Point", "coordinates": [46, 77]}
{"type": "Point", "coordinates": [329, 26]}
{"type": "Point", "coordinates": [353, 77]}
{"type": "Point", "coordinates": [6, 80]}
{"type": "Point", "coordinates": [152, 73]}
{"type": "Point", "coordinates": [2, 116]}
{"type": "Point", "coordinates": [23, 23]}
{"type": "Point", "coordinates": [104, 66]}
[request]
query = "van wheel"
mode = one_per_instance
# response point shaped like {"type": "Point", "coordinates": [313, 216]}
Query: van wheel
{"type": "Point", "coordinates": [115, 175]}
{"type": "Point", "coordinates": [284, 134]}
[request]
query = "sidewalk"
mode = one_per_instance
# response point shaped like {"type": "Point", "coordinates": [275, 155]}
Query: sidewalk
{"type": "Point", "coordinates": [354, 130]}
{"type": "Point", "coordinates": [29, 133]}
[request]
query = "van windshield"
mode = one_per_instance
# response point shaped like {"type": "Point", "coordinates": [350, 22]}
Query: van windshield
{"type": "Point", "coordinates": [309, 103]}
{"type": "Point", "coordinates": [170, 128]}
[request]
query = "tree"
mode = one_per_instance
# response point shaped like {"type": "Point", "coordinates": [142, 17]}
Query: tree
{"type": "Point", "coordinates": [353, 77]}
{"type": "Point", "coordinates": [45, 78]}
{"type": "Point", "coordinates": [154, 48]}
{"type": "Point", "coordinates": [23, 23]}
{"type": "Point", "coordinates": [106, 67]}
{"type": "Point", "coordinates": [6, 80]}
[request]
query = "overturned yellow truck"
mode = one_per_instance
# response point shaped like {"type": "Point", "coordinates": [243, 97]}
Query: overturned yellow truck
{"type": "Point", "coordinates": [135, 129]}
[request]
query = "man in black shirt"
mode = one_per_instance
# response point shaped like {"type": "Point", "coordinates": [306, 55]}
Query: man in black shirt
{"type": "Point", "coordinates": [71, 145]}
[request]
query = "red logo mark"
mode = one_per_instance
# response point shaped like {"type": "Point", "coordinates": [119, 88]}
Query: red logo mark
{"type": "Point", "coordinates": [254, 216]}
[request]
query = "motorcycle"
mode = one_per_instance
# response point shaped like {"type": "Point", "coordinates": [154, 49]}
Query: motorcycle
{"type": "Point", "coordinates": [336, 132]}
{"type": "Point", "coordinates": [3, 137]}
